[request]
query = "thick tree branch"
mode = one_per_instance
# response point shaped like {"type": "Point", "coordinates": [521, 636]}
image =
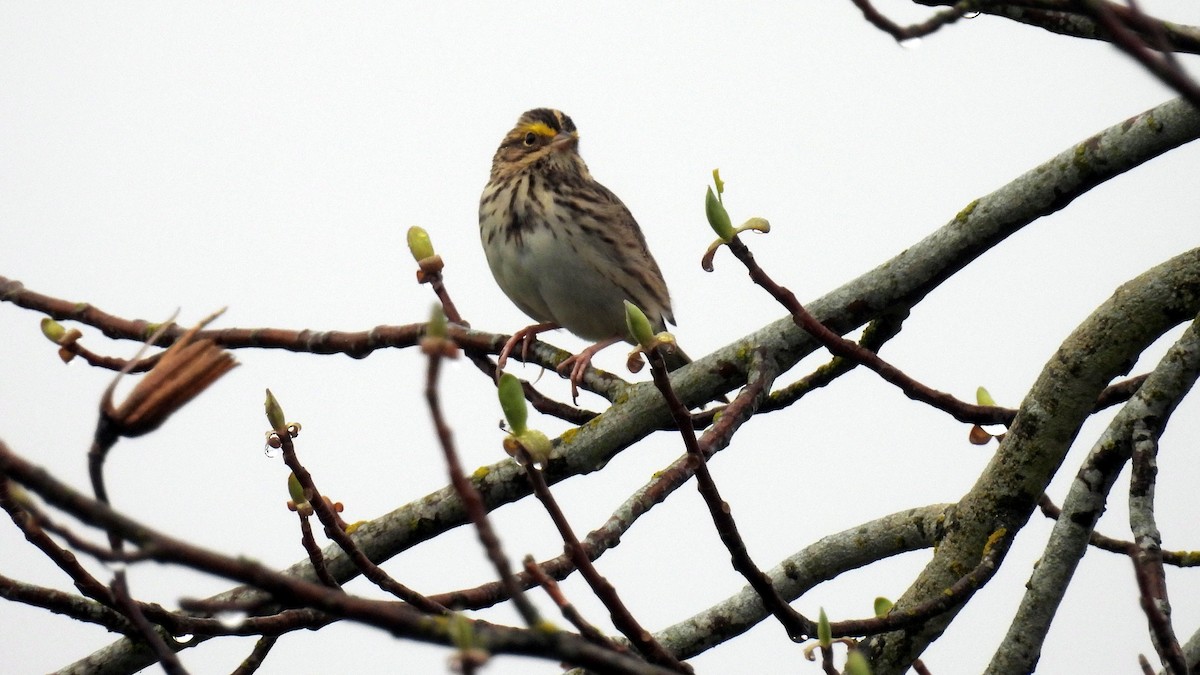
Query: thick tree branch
{"type": "Point", "coordinates": [1049, 418]}
{"type": "Point", "coordinates": [817, 563]}
{"type": "Point", "coordinates": [1147, 558]}
{"type": "Point", "coordinates": [1171, 379]}
{"type": "Point", "coordinates": [1065, 17]}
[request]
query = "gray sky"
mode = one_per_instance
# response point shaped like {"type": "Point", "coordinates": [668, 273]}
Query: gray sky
{"type": "Point", "coordinates": [270, 157]}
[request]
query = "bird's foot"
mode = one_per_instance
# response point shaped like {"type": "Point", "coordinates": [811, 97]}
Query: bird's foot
{"type": "Point", "coordinates": [525, 337]}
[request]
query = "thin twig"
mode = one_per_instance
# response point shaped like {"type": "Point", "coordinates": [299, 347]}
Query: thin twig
{"type": "Point", "coordinates": [146, 631]}
{"type": "Point", "coordinates": [87, 584]}
{"type": "Point", "coordinates": [472, 502]}
{"type": "Point", "coordinates": [30, 520]}
{"type": "Point", "coordinates": [1121, 546]}
{"type": "Point", "coordinates": [80, 544]}
{"type": "Point", "coordinates": [255, 658]}
{"type": "Point", "coordinates": [1069, 18]}
{"type": "Point", "coordinates": [77, 607]}
{"type": "Point", "coordinates": [622, 618]}
{"type": "Point", "coordinates": [101, 444]}
{"type": "Point", "coordinates": [335, 531]}
{"type": "Point", "coordinates": [1160, 65]}
{"type": "Point", "coordinates": [956, 594]}
{"type": "Point", "coordinates": [315, 557]}
{"type": "Point", "coordinates": [902, 33]}
{"type": "Point", "coordinates": [960, 410]}
{"type": "Point", "coordinates": [827, 661]}
{"type": "Point", "coordinates": [569, 612]}
{"type": "Point", "coordinates": [797, 626]}
{"type": "Point", "coordinates": [111, 362]}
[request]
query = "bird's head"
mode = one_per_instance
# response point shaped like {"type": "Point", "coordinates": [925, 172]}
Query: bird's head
{"type": "Point", "coordinates": [542, 136]}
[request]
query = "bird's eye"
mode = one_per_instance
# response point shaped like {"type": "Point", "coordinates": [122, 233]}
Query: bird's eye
{"type": "Point", "coordinates": [530, 138]}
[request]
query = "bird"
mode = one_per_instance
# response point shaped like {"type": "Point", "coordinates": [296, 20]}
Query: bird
{"type": "Point", "coordinates": [564, 248]}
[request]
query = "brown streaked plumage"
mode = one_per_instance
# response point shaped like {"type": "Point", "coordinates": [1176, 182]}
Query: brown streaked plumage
{"type": "Point", "coordinates": [563, 247]}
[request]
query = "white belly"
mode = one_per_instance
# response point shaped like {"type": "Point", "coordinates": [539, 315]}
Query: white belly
{"type": "Point", "coordinates": [551, 281]}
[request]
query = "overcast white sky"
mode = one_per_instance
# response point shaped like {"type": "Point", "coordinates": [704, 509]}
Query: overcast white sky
{"type": "Point", "coordinates": [269, 158]}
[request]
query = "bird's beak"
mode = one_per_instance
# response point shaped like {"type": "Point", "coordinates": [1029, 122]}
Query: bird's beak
{"type": "Point", "coordinates": [565, 141]}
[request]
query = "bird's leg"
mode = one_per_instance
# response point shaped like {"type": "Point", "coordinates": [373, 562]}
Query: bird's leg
{"type": "Point", "coordinates": [525, 336]}
{"type": "Point", "coordinates": [576, 365]}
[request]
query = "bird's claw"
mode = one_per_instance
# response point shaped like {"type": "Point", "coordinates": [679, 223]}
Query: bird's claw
{"type": "Point", "coordinates": [573, 368]}
{"type": "Point", "coordinates": [525, 336]}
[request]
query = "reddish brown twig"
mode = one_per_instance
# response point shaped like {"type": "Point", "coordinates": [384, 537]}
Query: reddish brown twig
{"type": "Point", "coordinates": [31, 520]}
{"type": "Point", "coordinates": [956, 594]}
{"type": "Point", "coordinates": [82, 545]}
{"type": "Point", "coordinates": [315, 557]}
{"type": "Point", "coordinates": [960, 410]}
{"type": "Point", "coordinates": [1071, 18]}
{"type": "Point", "coordinates": [67, 604]}
{"type": "Point", "coordinates": [255, 658]}
{"type": "Point", "coordinates": [876, 334]}
{"type": "Point", "coordinates": [165, 655]}
{"type": "Point", "coordinates": [902, 33]}
{"type": "Point", "coordinates": [1161, 63]}
{"type": "Point", "coordinates": [87, 584]}
{"type": "Point", "coordinates": [111, 362]}
{"type": "Point", "coordinates": [797, 626]}
{"type": "Point", "coordinates": [472, 502]}
{"type": "Point", "coordinates": [624, 621]}
{"type": "Point", "coordinates": [357, 344]}
{"type": "Point", "coordinates": [827, 661]}
{"type": "Point", "coordinates": [569, 612]}
{"type": "Point", "coordinates": [335, 531]}
{"type": "Point", "coordinates": [431, 274]}
{"type": "Point", "coordinates": [1123, 547]}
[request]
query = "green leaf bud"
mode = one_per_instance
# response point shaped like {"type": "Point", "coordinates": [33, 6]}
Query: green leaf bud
{"type": "Point", "coordinates": [882, 606]}
{"type": "Point", "coordinates": [53, 330]}
{"type": "Point", "coordinates": [512, 402]}
{"type": "Point", "coordinates": [638, 325]}
{"type": "Point", "coordinates": [296, 490]}
{"type": "Point", "coordinates": [275, 415]}
{"type": "Point", "coordinates": [437, 326]}
{"type": "Point", "coordinates": [419, 244]}
{"type": "Point", "coordinates": [856, 664]}
{"type": "Point", "coordinates": [824, 632]}
{"type": "Point", "coordinates": [718, 217]}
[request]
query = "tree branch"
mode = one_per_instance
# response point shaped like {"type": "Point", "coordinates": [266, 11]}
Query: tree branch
{"type": "Point", "coordinates": [1166, 385]}
{"type": "Point", "coordinates": [1007, 491]}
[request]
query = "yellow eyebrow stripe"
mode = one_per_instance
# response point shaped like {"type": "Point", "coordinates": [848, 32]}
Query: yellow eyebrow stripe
{"type": "Point", "coordinates": [540, 128]}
